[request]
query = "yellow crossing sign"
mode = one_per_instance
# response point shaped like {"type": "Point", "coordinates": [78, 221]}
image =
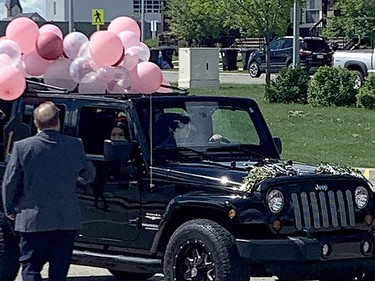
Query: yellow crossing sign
{"type": "Point", "coordinates": [97, 16]}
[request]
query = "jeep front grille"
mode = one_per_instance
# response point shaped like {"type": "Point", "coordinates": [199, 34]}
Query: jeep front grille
{"type": "Point", "coordinates": [323, 209]}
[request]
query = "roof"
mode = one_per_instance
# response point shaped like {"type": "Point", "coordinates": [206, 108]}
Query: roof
{"type": "Point", "coordinates": [33, 16]}
{"type": "Point", "coordinates": [11, 3]}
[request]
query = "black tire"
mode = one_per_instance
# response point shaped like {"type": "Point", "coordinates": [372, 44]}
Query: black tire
{"type": "Point", "coordinates": [358, 80]}
{"type": "Point", "coordinates": [254, 69]}
{"type": "Point", "coordinates": [130, 276]}
{"type": "Point", "coordinates": [202, 250]}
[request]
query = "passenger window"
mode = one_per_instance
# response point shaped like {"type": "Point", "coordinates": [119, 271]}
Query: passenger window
{"type": "Point", "coordinates": [96, 124]}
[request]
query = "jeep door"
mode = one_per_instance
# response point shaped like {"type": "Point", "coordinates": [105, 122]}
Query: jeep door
{"type": "Point", "coordinates": [111, 204]}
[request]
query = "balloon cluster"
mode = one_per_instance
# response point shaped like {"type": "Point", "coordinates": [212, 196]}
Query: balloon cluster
{"type": "Point", "coordinates": [112, 60]}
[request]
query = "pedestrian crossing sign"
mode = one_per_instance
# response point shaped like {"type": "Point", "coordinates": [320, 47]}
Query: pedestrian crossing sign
{"type": "Point", "coordinates": [97, 16]}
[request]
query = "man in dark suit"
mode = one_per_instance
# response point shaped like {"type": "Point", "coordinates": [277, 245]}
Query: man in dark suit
{"type": "Point", "coordinates": [39, 194]}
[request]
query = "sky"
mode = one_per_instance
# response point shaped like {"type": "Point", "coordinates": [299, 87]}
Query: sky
{"type": "Point", "coordinates": [29, 6]}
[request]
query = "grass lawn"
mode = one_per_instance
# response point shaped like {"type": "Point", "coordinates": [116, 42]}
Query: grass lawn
{"type": "Point", "coordinates": [337, 135]}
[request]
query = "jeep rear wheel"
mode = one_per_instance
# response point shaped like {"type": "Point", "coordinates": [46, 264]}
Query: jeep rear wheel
{"type": "Point", "coordinates": [202, 250]}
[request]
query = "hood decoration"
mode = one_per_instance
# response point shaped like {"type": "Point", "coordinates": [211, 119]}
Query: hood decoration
{"type": "Point", "coordinates": [268, 169]}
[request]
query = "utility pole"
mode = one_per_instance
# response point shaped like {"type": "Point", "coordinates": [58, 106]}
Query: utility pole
{"type": "Point", "coordinates": [71, 21]}
{"type": "Point", "coordinates": [296, 21]}
{"type": "Point", "coordinates": [143, 20]}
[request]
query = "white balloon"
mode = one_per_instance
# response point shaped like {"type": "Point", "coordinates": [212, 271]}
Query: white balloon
{"type": "Point", "coordinates": [84, 51]}
{"type": "Point", "coordinates": [73, 42]}
{"type": "Point", "coordinates": [121, 82]}
{"type": "Point", "coordinates": [139, 52]}
{"type": "Point", "coordinates": [96, 87]}
{"type": "Point", "coordinates": [82, 71]}
{"type": "Point", "coordinates": [106, 73]}
{"type": "Point", "coordinates": [11, 52]}
{"type": "Point", "coordinates": [146, 49]}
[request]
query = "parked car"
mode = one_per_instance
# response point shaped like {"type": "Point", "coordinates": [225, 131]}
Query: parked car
{"type": "Point", "coordinates": [314, 52]}
{"type": "Point", "coordinates": [361, 61]}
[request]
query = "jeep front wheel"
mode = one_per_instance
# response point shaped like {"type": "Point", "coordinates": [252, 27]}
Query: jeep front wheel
{"type": "Point", "coordinates": [202, 250]}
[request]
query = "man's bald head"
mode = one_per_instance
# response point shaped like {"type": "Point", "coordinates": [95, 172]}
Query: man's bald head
{"type": "Point", "coordinates": [46, 116]}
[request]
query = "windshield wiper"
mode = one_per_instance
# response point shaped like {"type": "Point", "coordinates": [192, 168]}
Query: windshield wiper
{"type": "Point", "coordinates": [249, 149]}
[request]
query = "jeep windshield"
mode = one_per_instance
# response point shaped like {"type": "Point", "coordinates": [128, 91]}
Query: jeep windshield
{"type": "Point", "coordinates": [208, 128]}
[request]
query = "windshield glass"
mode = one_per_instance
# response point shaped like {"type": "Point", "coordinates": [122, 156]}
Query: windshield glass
{"type": "Point", "coordinates": [208, 129]}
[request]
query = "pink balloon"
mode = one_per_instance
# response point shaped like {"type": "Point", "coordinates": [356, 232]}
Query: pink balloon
{"type": "Point", "coordinates": [164, 89]}
{"type": "Point", "coordinates": [49, 46]}
{"type": "Point", "coordinates": [146, 78]}
{"type": "Point", "coordinates": [124, 23]}
{"type": "Point", "coordinates": [129, 38]}
{"type": "Point", "coordinates": [34, 64]}
{"type": "Point", "coordinates": [51, 28]}
{"type": "Point", "coordinates": [57, 74]}
{"type": "Point", "coordinates": [130, 61]}
{"type": "Point", "coordinates": [73, 42]}
{"type": "Point", "coordinates": [106, 48]}
{"type": "Point", "coordinates": [12, 82]}
{"type": "Point", "coordinates": [24, 32]}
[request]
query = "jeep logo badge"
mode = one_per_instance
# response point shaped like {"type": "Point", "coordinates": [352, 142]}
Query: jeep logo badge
{"type": "Point", "coordinates": [320, 187]}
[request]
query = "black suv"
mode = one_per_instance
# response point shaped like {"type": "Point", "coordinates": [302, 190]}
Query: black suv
{"type": "Point", "coordinates": [314, 52]}
{"type": "Point", "coordinates": [198, 191]}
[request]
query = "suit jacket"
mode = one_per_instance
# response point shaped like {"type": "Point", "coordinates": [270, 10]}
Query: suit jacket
{"type": "Point", "coordinates": [39, 183]}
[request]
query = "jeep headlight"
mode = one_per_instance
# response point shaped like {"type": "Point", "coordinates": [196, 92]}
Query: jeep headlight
{"type": "Point", "coordinates": [361, 197]}
{"type": "Point", "coordinates": [275, 200]}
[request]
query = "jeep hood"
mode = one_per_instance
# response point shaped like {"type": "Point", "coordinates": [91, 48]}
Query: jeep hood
{"type": "Point", "coordinates": [222, 174]}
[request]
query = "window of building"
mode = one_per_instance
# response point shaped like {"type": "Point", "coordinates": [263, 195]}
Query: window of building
{"type": "Point", "coordinates": [54, 9]}
{"type": "Point", "coordinates": [313, 11]}
{"type": "Point", "coordinates": [150, 6]}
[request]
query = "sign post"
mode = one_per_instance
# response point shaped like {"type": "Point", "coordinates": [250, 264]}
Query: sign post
{"type": "Point", "coordinates": [97, 18]}
{"type": "Point", "coordinates": [154, 28]}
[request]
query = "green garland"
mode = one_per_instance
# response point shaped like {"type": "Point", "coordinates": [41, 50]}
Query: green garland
{"type": "Point", "coordinates": [273, 170]}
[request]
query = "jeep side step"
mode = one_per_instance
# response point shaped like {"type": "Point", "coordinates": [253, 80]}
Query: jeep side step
{"type": "Point", "coordinates": [117, 262]}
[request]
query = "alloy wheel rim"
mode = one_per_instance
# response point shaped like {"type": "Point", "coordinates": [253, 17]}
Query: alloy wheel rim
{"type": "Point", "coordinates": [194, 262]}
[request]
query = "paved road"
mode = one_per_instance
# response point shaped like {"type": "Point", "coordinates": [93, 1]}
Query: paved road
{"type": "Point", "coordinates": [224, 77]}
{"type": "Point", "coordinates": [84, 273]}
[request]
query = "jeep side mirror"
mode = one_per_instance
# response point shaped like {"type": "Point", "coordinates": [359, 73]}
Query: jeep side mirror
{"type": "Point", "coordinates": [278, 144]}
{"type": "Point", "coordinates": [116, 150]}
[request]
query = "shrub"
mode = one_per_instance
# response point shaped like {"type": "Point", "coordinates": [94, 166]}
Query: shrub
{"type": "Point", "coordinates": [290, 86]}
{"type": "Point", "coordinates": [366, 94]}
{"type": "Point", "coordinates": [332, 86]}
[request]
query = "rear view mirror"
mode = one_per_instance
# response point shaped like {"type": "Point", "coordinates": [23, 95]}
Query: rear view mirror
{"type": "Point", "coordinates": [116, 150]}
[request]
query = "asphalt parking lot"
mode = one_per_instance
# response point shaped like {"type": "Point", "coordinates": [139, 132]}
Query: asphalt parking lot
{"type": "Point", "coordinates": [84, 273]}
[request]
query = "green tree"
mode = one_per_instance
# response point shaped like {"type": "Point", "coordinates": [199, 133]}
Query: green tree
{"type": "Point", "coordinates": [198, 22]}
{"type": "Point", "coordinates": [266, 17]}
{"type": "Point", "coordinates": [355, 19]}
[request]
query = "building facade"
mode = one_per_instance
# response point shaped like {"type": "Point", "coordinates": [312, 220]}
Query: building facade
{"type": "Point", "coordinates": [81, 11]}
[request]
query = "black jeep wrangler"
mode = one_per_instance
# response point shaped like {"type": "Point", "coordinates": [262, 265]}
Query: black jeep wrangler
{"type": "Point", "coordinates": [198, 191]}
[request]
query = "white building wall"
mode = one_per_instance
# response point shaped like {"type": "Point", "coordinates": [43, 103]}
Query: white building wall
{"type": "Point", "coordinates": [58, 10]}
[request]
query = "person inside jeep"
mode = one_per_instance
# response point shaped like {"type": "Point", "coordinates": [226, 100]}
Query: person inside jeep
{"type": "Point", "coordinates": [120, 129]}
